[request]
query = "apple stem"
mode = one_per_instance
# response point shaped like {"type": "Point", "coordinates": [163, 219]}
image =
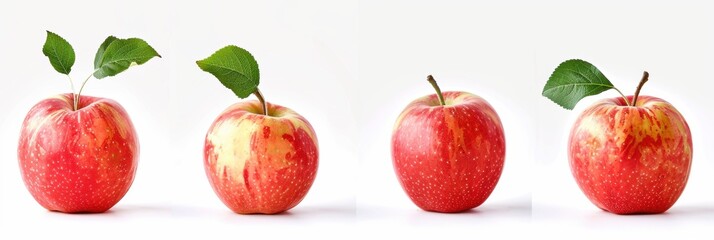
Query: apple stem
{"type": "Point", "coordinates": [645, 77]}
{"type": "Point", "coordinates": [438, 90]}
{"type": "Point", "coordinates": [262, 101]}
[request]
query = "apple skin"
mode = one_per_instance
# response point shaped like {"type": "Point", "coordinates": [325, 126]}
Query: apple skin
{"type": "Point", "coordinates": [257, 163]}
{"type": "Point", "coordinates": [448, 158]}
{"type": "Point", "coordinates": [78, 161]}
{"type": "Point", "coordinates": [631, 160]}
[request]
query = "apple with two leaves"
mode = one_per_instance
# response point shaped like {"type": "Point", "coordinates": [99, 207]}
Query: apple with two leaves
{"type": "Point", "coordinates": [80, 153]}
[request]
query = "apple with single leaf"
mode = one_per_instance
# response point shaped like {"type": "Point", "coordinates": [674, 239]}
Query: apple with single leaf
{"type": "Point", "coordinates": [630, 154]}
{"type": "Point", "coordinates": [448, 150]}
{"type": "Point", "coordinates": [80, 153]}
{"type": "Point", "coordinates": [259, 157]}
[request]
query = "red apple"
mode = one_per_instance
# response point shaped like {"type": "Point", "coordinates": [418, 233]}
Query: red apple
{"type": "Point", "coordinates": [448, 158]}
{"type": "Point", "coordinates": [631, 159]}
{"type": "Point", "coordinates": [78, 161]}
{"type": "Point", "coordinates": [257, 163]}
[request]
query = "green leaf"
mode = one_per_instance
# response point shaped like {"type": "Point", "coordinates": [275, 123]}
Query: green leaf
{"type": "Point", "coordinates": [102, 48]}
{"type": "Point", "coordinates": [235, 68]}
{"type": "Point", "coordinates": [60, 53]}
{"type": "Point", "coordinates": [574, 80]}
{"type": "Point", "coordinates": [116, 55]}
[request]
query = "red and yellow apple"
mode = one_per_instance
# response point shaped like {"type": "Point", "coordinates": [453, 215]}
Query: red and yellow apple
{"type": "Point", "coordinates": [448, 158]}
{"type": "Point", "coordinates": [78, 161]}
{"type": "Point", "coordinates": [631, 159]}
{"type": "Point", "coordinates": [260, 163]}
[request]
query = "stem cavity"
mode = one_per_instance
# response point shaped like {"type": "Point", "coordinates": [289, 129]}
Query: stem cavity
{"type": "Point", "coordinates": [262, 101]}
{"type": "Point", "coordinates": [645, 77]}
{"type": "Point", "coordinates": [438, 90]}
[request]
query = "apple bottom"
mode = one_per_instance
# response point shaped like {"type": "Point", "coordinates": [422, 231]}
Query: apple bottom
{"type": "Point", "coordinates": [78, 161]}
{"type": "Point", "coordinates": [257, 163]}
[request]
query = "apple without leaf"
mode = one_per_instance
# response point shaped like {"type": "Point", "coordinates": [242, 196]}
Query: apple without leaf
{"type": "Point", "coordinates": [448, 150]}
{"type": "Point", "coordinates": [259, 157]}
{"type": "Point", "coordinates": [79, 153]}
{"type": "Point", "coordinates": [78, 161]}
{"type": "Point", "coordinates": [257, 163]}
{"type": "Point", "coordinates": [629, 155]}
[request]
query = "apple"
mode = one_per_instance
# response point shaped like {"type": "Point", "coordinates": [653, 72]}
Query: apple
{"type": "Point", "coordinates": [78, 161]}
{"type": "Point", "coordinates": [631, 159]}
{"type": "Point", "coordinates": [448, 151]}
{"type": "Point", "coordinates": [629, 155]}
{"type": "Point", "coordinates": [79, 153]}
{"type": "Point", "coordinates": [259, 163]}
{"type": "Point", "coordinates": [258, 157]}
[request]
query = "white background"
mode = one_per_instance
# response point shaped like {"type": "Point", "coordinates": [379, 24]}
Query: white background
{"type": "Point", "coordinates": [350, 67]}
